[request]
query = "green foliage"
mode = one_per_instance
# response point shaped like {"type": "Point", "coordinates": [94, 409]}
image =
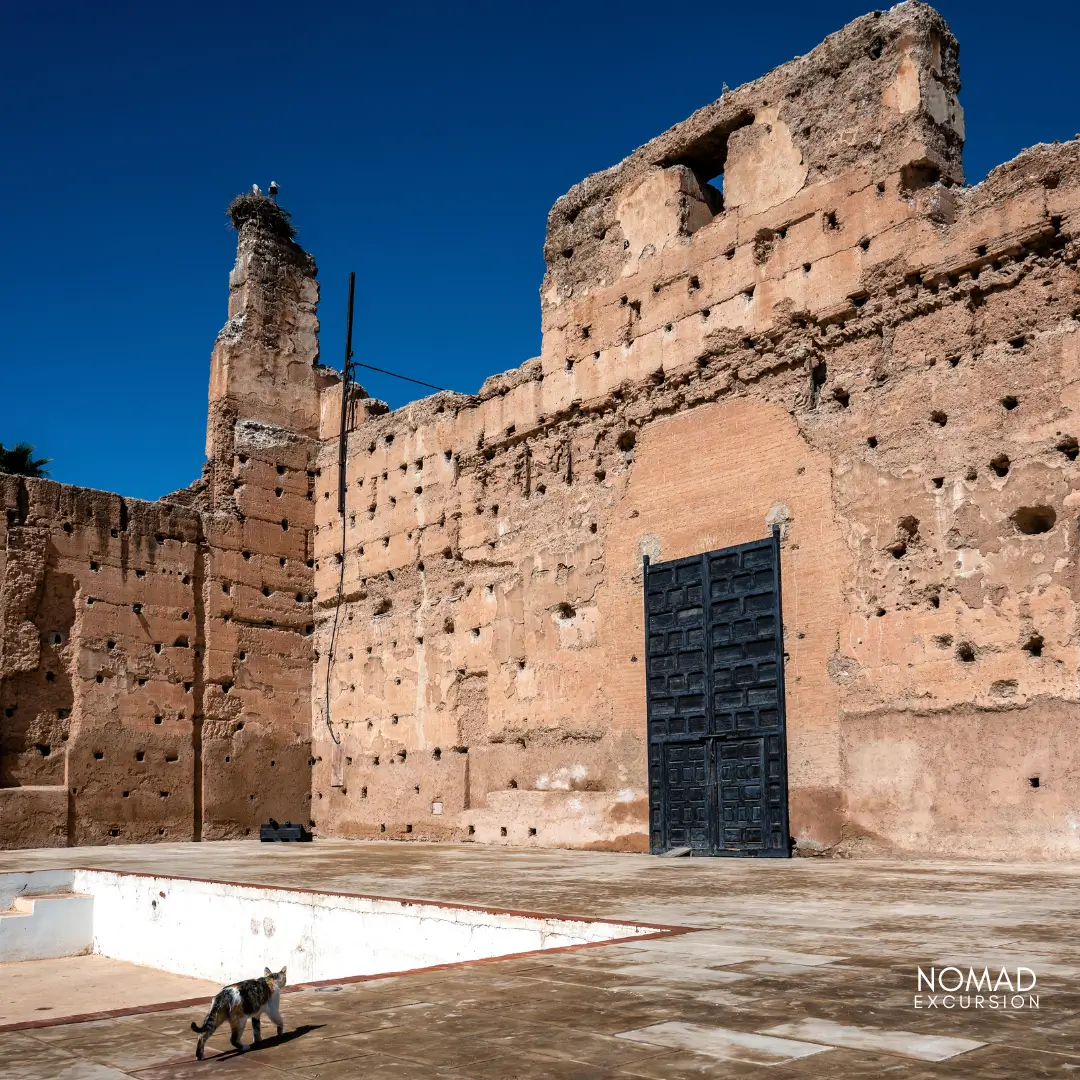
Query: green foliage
{"type": "Point", "coordinates": [19, 460]}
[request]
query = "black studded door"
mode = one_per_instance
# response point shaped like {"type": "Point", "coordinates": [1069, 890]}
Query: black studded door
{"type": "Point", "coordinates": [714, 657]}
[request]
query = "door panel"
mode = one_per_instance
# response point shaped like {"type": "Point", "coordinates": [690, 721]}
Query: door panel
{"type": "Point", "coordinates": [715, 702]}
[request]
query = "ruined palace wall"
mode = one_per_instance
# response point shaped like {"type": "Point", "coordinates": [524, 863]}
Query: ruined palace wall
{"type": "Point", "coordinates": [850, 345]}
{"type": "Point", "coordinates": [99, 692]}
{"type": "Point", "coordinates": [119, 666]}
{"type": "Point", "coordinates": [155, 671]}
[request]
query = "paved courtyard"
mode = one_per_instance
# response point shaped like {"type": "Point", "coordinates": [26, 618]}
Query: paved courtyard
{"type": "Point", "coordinates": [790, 969]}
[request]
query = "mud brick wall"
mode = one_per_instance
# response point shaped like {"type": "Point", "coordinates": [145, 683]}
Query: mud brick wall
{"type": "Point", "coordinates": [786, 309]}
{"type": "Point", "coordinates": [155, 657]}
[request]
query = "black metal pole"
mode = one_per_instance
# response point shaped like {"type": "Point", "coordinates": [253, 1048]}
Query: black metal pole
{"type": "Point", "coordinates": [346, 378]}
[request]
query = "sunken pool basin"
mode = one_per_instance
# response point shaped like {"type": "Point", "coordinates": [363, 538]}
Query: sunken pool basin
{"type": "Point", "coordinates": [221, 931]}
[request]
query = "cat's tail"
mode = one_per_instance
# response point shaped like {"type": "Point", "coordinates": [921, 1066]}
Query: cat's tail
{"type": "Point", "coordinates": [205, 1024]}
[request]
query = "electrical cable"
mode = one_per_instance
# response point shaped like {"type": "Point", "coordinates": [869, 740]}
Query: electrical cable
{"type": "Point", "coordinates": [407, 378]}
{"type": "Point", "coordinates": [343, 446]}
{"type": "Point", "coordinates": [337, 612]}
{"type": "Point", "coordinates": [346, 383]}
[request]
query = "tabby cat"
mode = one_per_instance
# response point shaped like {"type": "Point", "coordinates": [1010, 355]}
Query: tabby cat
{"type": "Point", "coordinates": [237, 1002]}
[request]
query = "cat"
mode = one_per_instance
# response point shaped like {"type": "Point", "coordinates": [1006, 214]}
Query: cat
{"type": "Point", "coordinates": [237, 1002]}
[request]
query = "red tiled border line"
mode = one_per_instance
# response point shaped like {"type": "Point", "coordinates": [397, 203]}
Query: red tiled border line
{"type": "Point", "coordinates": [659, 931]}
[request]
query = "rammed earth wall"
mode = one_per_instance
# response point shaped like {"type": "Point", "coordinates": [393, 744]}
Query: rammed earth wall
{"type": "Point", "coordinates": [787, 308]}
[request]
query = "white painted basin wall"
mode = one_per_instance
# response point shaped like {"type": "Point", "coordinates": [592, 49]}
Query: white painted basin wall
{"type": "Point", "coordinates": [40, 920]}
{"type": "Point", "coordinates": [225, 932]}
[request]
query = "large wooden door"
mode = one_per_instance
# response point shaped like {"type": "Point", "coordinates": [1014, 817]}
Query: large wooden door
{"type": "Point", "coordinates": [714, 658]}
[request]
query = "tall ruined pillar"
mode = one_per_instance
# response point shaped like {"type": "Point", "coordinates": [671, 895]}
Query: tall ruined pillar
{"type": "Point", "coordinates": [261, 427]}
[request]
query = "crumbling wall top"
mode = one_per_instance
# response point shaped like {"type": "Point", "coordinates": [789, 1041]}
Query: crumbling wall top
{"type": "Point", "coordinates": [880, 94]}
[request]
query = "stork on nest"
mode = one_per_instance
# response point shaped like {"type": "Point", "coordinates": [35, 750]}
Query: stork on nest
{"type": "Point", "coordinates": [263, 210]}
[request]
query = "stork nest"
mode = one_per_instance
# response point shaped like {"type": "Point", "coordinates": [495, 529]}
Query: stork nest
{"type": "Point", "coordinates": [264, 211]}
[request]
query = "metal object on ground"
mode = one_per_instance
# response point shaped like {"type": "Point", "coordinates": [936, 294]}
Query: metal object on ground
{"type": "Point", "coordinates": [285, 833]}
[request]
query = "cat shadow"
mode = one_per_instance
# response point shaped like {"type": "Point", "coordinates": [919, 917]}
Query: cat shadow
{"type": "Point", "coordinates": [266, 1044]}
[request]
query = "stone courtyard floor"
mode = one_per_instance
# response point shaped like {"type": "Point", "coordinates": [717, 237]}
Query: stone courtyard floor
{"type": "Point", "coordinates": [790, 969]}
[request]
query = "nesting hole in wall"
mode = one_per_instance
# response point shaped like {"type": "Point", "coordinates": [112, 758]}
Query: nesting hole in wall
{"type": "Point", "coordinates": [872, 442]}
{"type": "Point", "coordinates": [140, 755]}
{"type": "Point", "coordinates": [99, 754]}
{"type": "Point", "coordinates": [965, 652]}
{"type": "Point", "coordinates": [1000, 464]}
{"type": "Point", "coordinates": [1034, 645]}
{"type": "Point", "coordinates": [502, 830]}
{"type": "Point", "coordinates": [938, 481]}
{"type": "Point", "coordinates": [842, 397]}
{"type": "Point", "coordinates": [1033, 781]}
{"type": "Point", "coordinates": [1032, 520]}
{"type": "Point", "coordinates": [938, 417]}
{"type": "Point", "coordinates": [565, 610]}
{"type": "Point", "coordinates": [626, 441]}
{"type": "Point", "coordinates": [472, 830]}
{"type": "Point", "coordinates": [1069, 446]}
{"type": "Point", "coordinates": [1009, 402]}
{"type": "Point", "coordinates": [917, 175]}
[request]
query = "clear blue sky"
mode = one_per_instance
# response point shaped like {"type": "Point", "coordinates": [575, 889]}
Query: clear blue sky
{"type": "Point", "coordinates": [420, 145]}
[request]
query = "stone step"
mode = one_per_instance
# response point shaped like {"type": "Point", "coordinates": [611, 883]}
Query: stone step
{"type": "Point", "coordinates": [46, 926]}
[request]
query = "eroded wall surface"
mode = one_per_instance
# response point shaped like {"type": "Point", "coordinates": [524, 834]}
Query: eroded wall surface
{"type": "Point", "coordinates": [155, 657]}
{"type": "Point", "coordinates": [785, 309]}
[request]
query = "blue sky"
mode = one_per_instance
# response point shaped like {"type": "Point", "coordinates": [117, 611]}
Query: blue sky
{"type": "Point", "coordinates": [420, 145]}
